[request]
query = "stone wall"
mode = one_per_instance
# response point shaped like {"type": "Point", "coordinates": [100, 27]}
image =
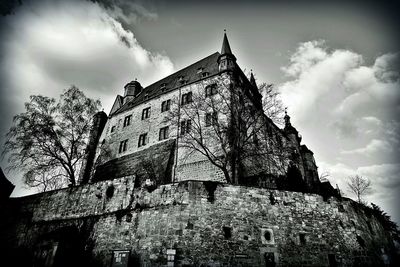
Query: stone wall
{"type": "Point", "coordinates": [206, 223]}
{"type": "Point", "coordinates": [156, 161]}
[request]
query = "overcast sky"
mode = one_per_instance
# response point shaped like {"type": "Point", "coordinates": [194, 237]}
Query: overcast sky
{"type": "Point", "coordinates": [335, 63]}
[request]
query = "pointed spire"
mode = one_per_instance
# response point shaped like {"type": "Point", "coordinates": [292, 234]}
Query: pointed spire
{"type": "Point", "coordinates": [287, 119]}
{"type": "Point", "coordinates": [252, 80]}
{"type": "Point", "coordinates": [226, 48]}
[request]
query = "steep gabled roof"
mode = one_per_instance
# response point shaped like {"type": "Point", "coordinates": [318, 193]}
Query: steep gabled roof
{"type": "Point", "coordinates": [226, 48]}
{"type": "Point", "coordinates": [119, 100]}
{"type": "Point", "coordinates": [170, 83]}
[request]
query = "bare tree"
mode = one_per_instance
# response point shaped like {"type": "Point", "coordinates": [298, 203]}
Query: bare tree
{"type": "Point", "coordinates": [221, 122]}
{"type": "Point", "coordinates": [47, 142]}
{"type": "Point", "coordinates": [272, 103]}
{"type": "Point", "coordinates": [359, 186]}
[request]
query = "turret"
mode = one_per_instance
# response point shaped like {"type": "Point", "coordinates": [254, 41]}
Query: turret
{"type": "Point", "coordinates": [290, 130]}
{"type": "Point", "coordinates": [252, 80]}
{"type": "Point", "coordinates": [226, 61]}
{"type": "Point", "coordinates": [98, 123]}
{"type": "Point", "coordinates": [132, 90]}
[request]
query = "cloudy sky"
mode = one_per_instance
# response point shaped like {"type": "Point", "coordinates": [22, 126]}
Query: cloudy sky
{"type": "Point", "coordinates": [335, 63]}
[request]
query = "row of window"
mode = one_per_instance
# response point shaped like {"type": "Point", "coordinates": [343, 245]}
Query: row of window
{"type": "Point", "coordinates": [166, 105]}
{"type": "Point", "coordinates": [143, 139]}
{"type": "Point", "coordinates": [185, 127]}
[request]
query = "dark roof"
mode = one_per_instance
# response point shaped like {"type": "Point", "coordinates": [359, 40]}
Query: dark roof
{"type": "Point", "coordinates": [226, 48]}
{"type": "Point", "coordinates": [189, 74]}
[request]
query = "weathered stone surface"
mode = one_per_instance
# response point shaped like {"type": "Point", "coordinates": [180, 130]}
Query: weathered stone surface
{"type": "Point", "coordinates": [181, 216]}
{"type": "Point", "coordinates": [158, 158]}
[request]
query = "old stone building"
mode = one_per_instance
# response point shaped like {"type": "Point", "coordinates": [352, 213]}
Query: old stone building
{"type": "Point", "coordinates": [140, 124]}
{"type": "Point", "coordinates": [147, 199]}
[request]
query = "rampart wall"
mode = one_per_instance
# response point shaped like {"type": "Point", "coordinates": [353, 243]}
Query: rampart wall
{"type": "Point", "coordinates": [207, 224]}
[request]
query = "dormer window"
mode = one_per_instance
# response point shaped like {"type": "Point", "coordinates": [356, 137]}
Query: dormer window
{"type": "Point", "coordinates": [182, 80]}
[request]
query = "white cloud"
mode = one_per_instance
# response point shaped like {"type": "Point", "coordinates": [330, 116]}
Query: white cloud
{"type": "Point", "coordinates": [385, 183]}
{"type": "Point", "coordinates": [51, 45]}
{"type": "Point", "coordinates": [374, 146]}
{"type": "Point", "coordinates": [347, 113]}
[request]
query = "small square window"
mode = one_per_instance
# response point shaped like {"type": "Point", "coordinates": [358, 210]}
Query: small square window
{"type": "Point", "coordinates": [146, 113]}
{"type": "Point", "coordinates": [204, 74]}
{"type": "Point", "coordinates": [113, 129]}
{"type": "Point", "coordinates": [166, 105]}
{"type": "Point", "coordinates": [142, 140]}
{"type": "Point", "coordinates": [211, 89]}
{"type": "Point", "coordinates": [123, 146]}
{"type": "Point", "coordinates": [127, 120]}
{"type": "Point", "coordinates": [163, 87]}
{"type": "Point", "coordinates": [186, 98]}
{"type": "Point", "coordinates": [211, 118]}
{"type": "Point", "coordinates": [164, 132]}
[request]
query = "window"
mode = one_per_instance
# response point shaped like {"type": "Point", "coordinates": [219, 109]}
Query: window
{"type": "Point", "coordinates": [146, 113]}
{"type": "Point", "coordinates": [165, 105]}
{"type": "Point", "coordinates": [127, 120]}
{"type": "Point", "coordinates": [267, 236]}
{"type": "Point", "coordinates": [113, 129]}
{"type": "Point", "coordinates": [211, 89]}
{"type": "Point", "coordinates": [227, 232]}
{"type": "Point", "coordinates": [204, 74]}
{"type": "Point", "coordinates": [163, 133]}
{"type": "Point", "coordinates": [186, 125]}
{"type": "Point", "coordinates": [302, 237]}
{"type": "Point", "coordinates": [332, 260]}
{"type": "Point", "coordinates": [186, 98]}
{"type": "Point", "coordinates": [211, 118]}
{"type": "Point", "coordinates": [360, 241]}
{"type": "Point", "coordinates": [163, 87]}
{"type": "Point", "coordinates": [123, 146]}
{"type": "Point", "coordinates": [142, 140]}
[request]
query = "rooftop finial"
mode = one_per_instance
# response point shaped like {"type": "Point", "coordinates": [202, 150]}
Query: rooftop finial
{"type": "Point", "coordinates": [285, 110]}
{"type": "Point", "coordinates": [224, 30]}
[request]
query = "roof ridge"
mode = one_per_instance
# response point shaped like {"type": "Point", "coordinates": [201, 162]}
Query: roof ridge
{"type": "Point", "coordinates": [181, 69]}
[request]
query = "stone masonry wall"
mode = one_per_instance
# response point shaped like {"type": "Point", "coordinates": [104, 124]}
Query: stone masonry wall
{"type": "Point", "coordinates": [206, 223]}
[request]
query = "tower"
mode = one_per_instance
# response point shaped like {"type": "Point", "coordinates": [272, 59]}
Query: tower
{"type": "Point", "coordinates": [98, 123]}
{"type": "Point", "coordinates": [132, 89]}
{"type": "Point", "coordinates": [226, 61]}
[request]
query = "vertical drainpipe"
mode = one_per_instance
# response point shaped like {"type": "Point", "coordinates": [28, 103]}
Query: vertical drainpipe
{"type": "Point", "coordinates": [177, 134]}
